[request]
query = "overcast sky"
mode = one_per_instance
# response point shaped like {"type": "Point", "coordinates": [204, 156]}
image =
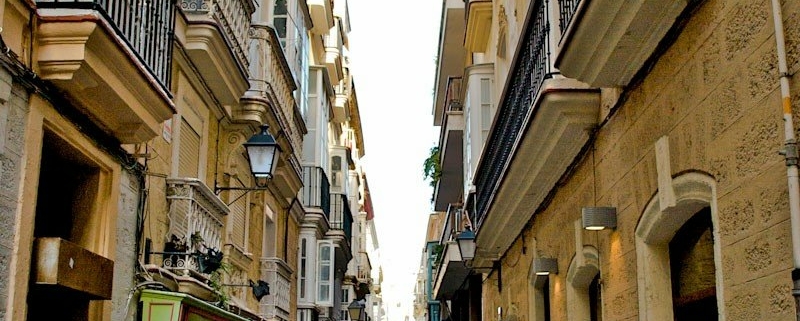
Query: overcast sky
{"type": "Point", "coordinates": [393, 48]}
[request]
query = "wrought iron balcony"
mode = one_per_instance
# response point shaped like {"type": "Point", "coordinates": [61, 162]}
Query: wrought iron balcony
{"type": "Point", "coordinates": [146, 26]}
{"type": "Point", "coordinates": [604, 43]}
{"type": "Point", "coordinates": [341, 218]}
{"type": "Point", "coordinates": [196, 217]}
{"type": "Point", "coordinates": [316, 189]}
{"type": "Point", "coordinates": [531, 68]}
{"type": "Point", "coordinates": [271, 92]}
{"type": "Point", "coordinates": [232, 16]}
{"type": "Point", "coordinates": [567, 9]}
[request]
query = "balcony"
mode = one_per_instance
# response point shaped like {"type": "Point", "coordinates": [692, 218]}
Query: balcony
{"type": "Point", "coordinates": [341, 218]}
{"type": "Point", "coordinates": [196, 219]}
{"type": "Point", "coordinates": [277, 273]}
{"type": "Point", "coordinates": [216, 41]}
{"type": "Point", "coordinates": [479, 25]}
{"type": "Point", "coordinates": [451, 144]}
{"type": "Point", "coordinates": [542, 123]}
{"type": "Point", "coordinates": [606, 42]}
{"type": "Point", "coordinates": [270, 100]}
{"type": "Point", "coordinates": [316, 190]}
{"type": "Point", "coordinates": [451, 53]}
{"type": "Point", "coordinates": [321, 15]}
{"type": "Point", "coordinates": [334, 43]}
{"type": "Point", "coordinates": [451, 271]}
{"type": "Point", "coordinates": [106, 54]}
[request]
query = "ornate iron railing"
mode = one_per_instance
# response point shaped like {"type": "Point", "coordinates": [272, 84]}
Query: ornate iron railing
{"type": "Point", "coordinates": [146, 26]}
{"type": "Point", "coordinates": [530, 69]}
{"type": "Point", "coordinates": [196, 215]}
{"type": "Point", "coordinates": [233, 17]}
{"type": "Point", "coordinates": [566, 11]}
{"type": "Point", "coordinates": [341, 218]}
{"type": "Point", "coordinates": [316, 189]}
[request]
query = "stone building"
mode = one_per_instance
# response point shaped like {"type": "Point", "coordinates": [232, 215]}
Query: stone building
{"type": "Point", "coordinates": [127, 190]}
{"type": "Point", "coordinates": [659, 119]}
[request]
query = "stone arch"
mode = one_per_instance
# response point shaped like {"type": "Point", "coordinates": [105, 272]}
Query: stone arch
{"type": "Point", "coordinates": [658, 224]}
{"type": "Point", "coordinates": [538, 292]}
{"type": "Point", "coordinates": [585, 266]}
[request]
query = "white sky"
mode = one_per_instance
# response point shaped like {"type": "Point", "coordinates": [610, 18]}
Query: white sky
{"type": "Point", "coordinates": [393, 48]}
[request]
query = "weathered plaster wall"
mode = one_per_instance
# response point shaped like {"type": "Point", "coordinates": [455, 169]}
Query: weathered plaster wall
{"type": "Point", "coordinates": [13, 114]}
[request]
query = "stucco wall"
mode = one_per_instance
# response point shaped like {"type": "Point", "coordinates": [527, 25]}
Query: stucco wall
{"type": "Point", "coordinates": [13, 114]}
{"type": "Point", "coordinates": [125, 259]}
{"type": "Point", "coordinates": [715, 94]}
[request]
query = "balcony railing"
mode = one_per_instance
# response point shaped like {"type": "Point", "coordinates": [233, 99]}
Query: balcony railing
{"type": "Point", "coordinates": [452, 223]}
{"type": "Point", "coordinates": [195, 215]}
{"type": "Point", "coordinates": [233, 17]}
{"type": "Point", "coordinates": [453, 98]}
{"type": "Point", "coordinates": [531, 68]}
{"type": "Point", "coordinates": [316, 189]}
{"type": "Point", "coordinates": [341, 218]}
{"type": "Point", "coordinates": [566, 11]}
{"type": "Point", "coordinates": [146, 26]}
{"type": "Point", "coordinates": [271, 78]}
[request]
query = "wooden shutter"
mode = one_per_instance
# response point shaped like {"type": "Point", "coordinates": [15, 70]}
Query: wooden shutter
{"type": "Point", "coordinates": [189, 153]}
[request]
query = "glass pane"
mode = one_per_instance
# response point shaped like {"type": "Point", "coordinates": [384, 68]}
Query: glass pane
{"type": "Point", "coordinates": [324, 272]}
{"type": "Point", "coordinates": [325, 253]}
{"type": "Point", "coordinates": [323, 292]}
{"type": "Point", "coordinates": [280, 26]}
{"type": "Point", "coordinates": [280, 7]}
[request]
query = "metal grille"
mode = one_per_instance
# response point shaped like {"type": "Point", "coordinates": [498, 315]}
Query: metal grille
{"type": "Point", "coordinates": [531, 68]}
{"type": "Point", "coordinates": [145, 25]}
{"type": "Point", "coordinates": [316, 189]}
{"type": "Point", "coordinates": [341, 218]}
{"type": "Point", "coordinates": [566, 11]}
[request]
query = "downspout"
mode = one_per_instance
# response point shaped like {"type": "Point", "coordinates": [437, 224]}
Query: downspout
{"type": "Point", "coordinates": [789, 152]}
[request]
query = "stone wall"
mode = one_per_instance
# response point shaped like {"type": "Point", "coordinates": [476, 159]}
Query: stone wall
{"type": "Point", "coordinates": [125, 260]}
{"type": "Point", "coordinates": [715, 94]}
{"type": "Point", "coordinates": [13, 115]}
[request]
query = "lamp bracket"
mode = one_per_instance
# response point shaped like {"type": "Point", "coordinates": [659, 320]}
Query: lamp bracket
{"type": "Point", "coordinates": [218, 190]}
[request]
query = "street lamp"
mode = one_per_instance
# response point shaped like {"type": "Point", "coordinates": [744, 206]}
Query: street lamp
{"type": "Point", "coordinates": [356, 308]}
{"type": "Point", "coordinates": [263, 152]}
{"type": "Point", "coordinates": [466, 244]}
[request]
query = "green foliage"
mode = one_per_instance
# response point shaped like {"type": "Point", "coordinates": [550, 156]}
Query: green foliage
{"type": "Point", "coordinates": [432, 168]}
{"type": "Point", "coordinates": [216, 280]}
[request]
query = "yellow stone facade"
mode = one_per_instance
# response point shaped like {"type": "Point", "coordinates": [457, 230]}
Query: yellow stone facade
{"type": "Point", "coordinates": [698, 126]}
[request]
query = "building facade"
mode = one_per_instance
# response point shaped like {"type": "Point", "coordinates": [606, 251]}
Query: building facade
{"type": "Point", "coordinates": [660, 119]}
{"type": "Point", "coordinates": [128, 192]}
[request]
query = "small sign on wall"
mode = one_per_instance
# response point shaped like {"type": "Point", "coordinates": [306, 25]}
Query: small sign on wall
{"type": "Point", "coordinates": [166, 130]}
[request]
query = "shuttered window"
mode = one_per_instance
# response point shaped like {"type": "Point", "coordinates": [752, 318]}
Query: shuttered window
{"type": "Point", "coordinates": [240, 207]}
{"type": "Point", "coordinates": [189, 153]}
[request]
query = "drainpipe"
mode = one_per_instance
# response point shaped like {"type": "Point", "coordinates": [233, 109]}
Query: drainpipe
{"type": "Point", "coordinates": [789, 152]}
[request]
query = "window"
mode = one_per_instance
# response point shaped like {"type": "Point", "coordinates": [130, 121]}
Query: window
{"type": "Point", "coordinates": [345, 296]}
{"type": "Point", "coordinates": [188, 151]}
{"type": "Point", "coordinates": [595, 300]}
{"type": "Point", "coordinates": [677, 256]}
{"type": "Point", "coordinates": [325, 273]}
{"type": "Point", "coordinates": [303, 262]}
{"type": "Point", "coordinates": [691, 255]}
{"type": "Point", "coordinates": [280, 18]}
{"type": "Point", "coordinates": [486, 108]}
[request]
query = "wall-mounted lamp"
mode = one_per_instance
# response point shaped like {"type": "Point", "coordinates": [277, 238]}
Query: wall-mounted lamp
{"type": "Point", "coordinates": [356, 309]}
{"type": "Point", "coordinates": [260, 288]}
{"type": "Point", "coordinates": [466, 244]}
{"type": "Point", "coordinates": [262, 153]}
{"type": "Point", "coordinates": [545, 266]}
{"type": "Point", "coordinates": [599, 218]}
